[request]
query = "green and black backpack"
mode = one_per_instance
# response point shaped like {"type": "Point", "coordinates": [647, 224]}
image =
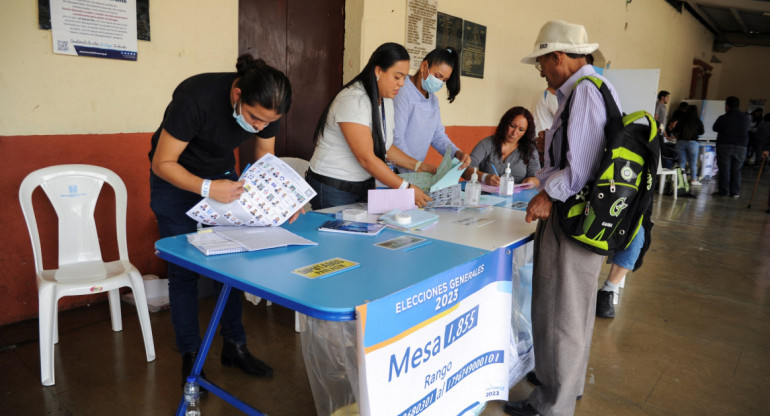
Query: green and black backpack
{"type": "Point", "coordinates": [609, 211]}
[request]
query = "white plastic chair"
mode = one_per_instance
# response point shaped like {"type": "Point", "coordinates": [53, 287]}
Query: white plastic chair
{"type": "Point", "coordinates": [73, 191]}
{"type": "Point", "coordinates": [662, 172]}
{"type": "Point", "coordinates": [300, 166]}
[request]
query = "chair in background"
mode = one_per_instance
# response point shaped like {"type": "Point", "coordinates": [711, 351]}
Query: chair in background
{"type": "Point", "coordinates": [300, 166]}
{"type": "Point", "coordinates": [662, 173]}
{"type": "Point", "coordinates": [73, 191]}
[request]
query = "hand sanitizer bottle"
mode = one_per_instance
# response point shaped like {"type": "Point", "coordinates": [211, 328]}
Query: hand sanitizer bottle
{"type": "Point", "coordinates": [506, 182]}
{"type": "Point", "coordinates": [473, 190]}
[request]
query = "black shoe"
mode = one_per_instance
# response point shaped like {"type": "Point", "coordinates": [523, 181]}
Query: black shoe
{"type": "Point", "coordinates": [532, 378]}
{"type": "Point", "coordinates": [239, 356]}
{"type": "Point", "coordinates": [521, 408]}
{"type": "Point", "coordinates": [604, 306]}
{"type": "Point", "coordinates": [188, 360]}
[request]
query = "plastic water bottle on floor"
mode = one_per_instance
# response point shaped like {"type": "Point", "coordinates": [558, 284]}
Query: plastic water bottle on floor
{"type": "Point", "coordinates": [192, 397]}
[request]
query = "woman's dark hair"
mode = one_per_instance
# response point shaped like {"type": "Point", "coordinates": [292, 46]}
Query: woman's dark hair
{"type": "Point", "coordinates": [262, 84]}
{"type": "Point", "coordinates": [687, 127]}
{"type": "Point", "coordinates": [527, 141]}
{"type": "Point", "coordinates": [385, 56]}
{"type": "Point", "coordinates": [691, 114]}
{"type": "Point", "coordinates": [450, 57]}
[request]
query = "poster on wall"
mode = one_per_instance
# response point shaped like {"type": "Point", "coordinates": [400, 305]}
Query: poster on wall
{"type": "Point", "coordinates": [474, 49]}
{"type": "Point", "coordinates": [142, 17]}
{"type": "Point", "coordinates": [95, 28]}
{"type": "Point", "coordinates": [420, 29]}
{"type": "Point", "coordinates": [449, 31]}
{"type": "Point", "coordinates": [439, 347]}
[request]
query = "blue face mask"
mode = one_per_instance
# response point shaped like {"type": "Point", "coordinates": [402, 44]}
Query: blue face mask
{"type": "Point", "coordinates": [242, 122]}
{"type": "Point", "coordinates": [432, 84]}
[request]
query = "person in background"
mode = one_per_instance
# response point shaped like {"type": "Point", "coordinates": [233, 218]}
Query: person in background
{"type": "Point", "coordinates": [354, 135]}
{"type": "Point", "coordinates": [209, 116]}
{"type": "Point", "coordinates": [675, 117]}
{"type": "Point", "coordinates": [417, 114]}
{"type": "Point", "coordinates": [753, 149]}
{"type": "Point", "coordinates": [565, 274]}
{"type": "Point", "coordinates": [622, 262]}
{"type": "Point", "coordinates": [732, 129]}
{"type": "Point", "coordinates": [546, 107]}
{"type": "Point", "coordinates": [686, 133]}
{"type": "Point", "coordinates": [661, 111]}
{"type": "Point", "coordinates": [763, 144]}
{"type": "Point", "coordinates": [513, 143]}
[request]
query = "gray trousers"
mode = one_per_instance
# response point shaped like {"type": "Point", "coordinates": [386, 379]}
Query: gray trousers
{"type": "Point", "coordinates": [564, 285]}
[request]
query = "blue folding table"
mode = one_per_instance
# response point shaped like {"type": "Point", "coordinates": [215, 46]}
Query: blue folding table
{"type": "Point", "coordinates": [268, 274]}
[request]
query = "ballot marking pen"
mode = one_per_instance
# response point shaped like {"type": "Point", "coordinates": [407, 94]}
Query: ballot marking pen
{"type": "Point", "coordinates": [243, 172]}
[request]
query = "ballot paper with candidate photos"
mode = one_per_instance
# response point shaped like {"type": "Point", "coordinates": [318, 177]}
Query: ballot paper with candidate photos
{"type": "Point", "coordinates": [272, 193]}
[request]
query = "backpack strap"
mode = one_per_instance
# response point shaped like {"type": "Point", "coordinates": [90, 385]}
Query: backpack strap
{"type": "Point", "coordinates": [614, 118]}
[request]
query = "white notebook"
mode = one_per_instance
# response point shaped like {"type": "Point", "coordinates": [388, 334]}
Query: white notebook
{"type": "Point", "coordinates": [235, 239]}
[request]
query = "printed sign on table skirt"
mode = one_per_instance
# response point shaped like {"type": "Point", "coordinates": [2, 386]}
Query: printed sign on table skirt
{"type": "Point", "coordinates": [439, 347]}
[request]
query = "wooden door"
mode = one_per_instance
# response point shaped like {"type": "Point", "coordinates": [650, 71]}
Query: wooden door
{"type": "Point", "coordinates": [305, 40]}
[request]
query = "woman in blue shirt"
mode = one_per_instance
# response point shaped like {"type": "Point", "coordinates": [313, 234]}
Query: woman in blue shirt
{"type": "Point", "coordinates": [417, 115]}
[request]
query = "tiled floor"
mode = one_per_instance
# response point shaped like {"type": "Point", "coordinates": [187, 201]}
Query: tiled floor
{"type": "Point", "coordinates": [691, 337]}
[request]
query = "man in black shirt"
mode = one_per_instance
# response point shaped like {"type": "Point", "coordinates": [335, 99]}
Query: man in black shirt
{"type": "Point", "coordinates": [732, 129]}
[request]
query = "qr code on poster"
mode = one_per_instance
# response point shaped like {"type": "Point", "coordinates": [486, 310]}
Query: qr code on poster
{"type": "Point", "coordinates": [62, 45]}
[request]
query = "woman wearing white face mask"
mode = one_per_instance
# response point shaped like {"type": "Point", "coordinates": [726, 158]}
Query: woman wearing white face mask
{"type": "Point", "coordinates": [192, 156]}
{"type": "Point", "coordinates": [417, 115]}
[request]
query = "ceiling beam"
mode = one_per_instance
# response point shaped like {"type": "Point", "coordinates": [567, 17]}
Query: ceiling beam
{"type": "Point", "coordinates": [748, 5]}
{"type": "Point", "coordinates": [739, 39]}
{"type": "Point", "coordinates": [737, 17]}
{"type": "Point", "coordinates": [704, 16]}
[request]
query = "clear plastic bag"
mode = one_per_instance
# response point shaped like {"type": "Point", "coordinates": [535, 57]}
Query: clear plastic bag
{"type": "Point", "coordinates": [329, 350]}
{"type": "Point", "coordinates": [521, 349]}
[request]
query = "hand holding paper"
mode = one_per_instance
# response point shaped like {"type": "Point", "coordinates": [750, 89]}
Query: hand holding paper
{"type": "Point", "coordinates": [447, 174]}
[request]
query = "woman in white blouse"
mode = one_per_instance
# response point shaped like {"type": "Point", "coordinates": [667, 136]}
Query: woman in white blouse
{"type": "Point", "coordinates": [354, 136]}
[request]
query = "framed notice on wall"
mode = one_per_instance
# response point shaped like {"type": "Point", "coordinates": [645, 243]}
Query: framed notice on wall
{"type": "Point", "coordinates": [474, 49]}
{"type": "Point", "coordinates": [95, 28]}
{"type": "Point", "coordinates": [449, 31]}
{"type": "Point", "coordinates": [142, 17]}
{"type": "Point", "coordinates": [420, 29]}
{"type": "Point", "coordinates": [467, 37]}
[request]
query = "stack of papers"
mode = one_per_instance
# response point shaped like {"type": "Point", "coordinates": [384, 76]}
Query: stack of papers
{"type": "Point", "coordinates": [447, 174]}
{"type": "Point", "coordinates": [449, 197]}
{"type": "Point", "coordinates": [516, 188]}
{"type": "Point", "coordinates": [234, 239]}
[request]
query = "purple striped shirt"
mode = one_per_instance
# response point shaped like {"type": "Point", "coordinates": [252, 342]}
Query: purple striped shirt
{"type": "Point", "coordinates": [585, 133]}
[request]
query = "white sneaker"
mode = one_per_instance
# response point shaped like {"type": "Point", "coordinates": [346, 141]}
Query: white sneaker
{"type": "Point", "coordinates": [695, 183]}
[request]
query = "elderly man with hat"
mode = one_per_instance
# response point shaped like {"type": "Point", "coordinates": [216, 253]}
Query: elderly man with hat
{"type": "Point", "coordinates": [565, 275]}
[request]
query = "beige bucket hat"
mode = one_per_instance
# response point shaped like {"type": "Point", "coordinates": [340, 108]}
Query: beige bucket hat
{"type": "Point", "coordinates": [558, 35]}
